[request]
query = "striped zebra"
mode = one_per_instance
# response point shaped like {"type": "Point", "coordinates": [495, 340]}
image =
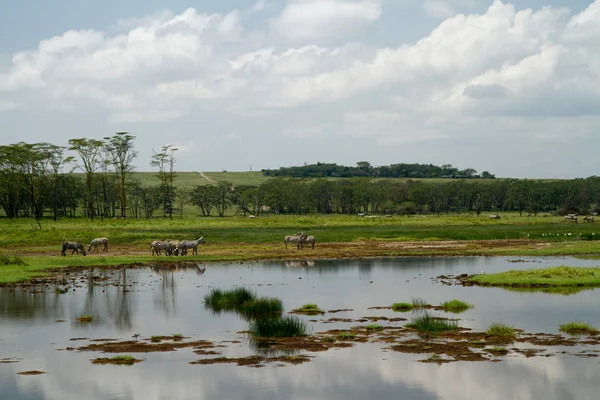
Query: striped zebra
{"type": "Point", "coordinates": [184, 245]}
{"type": "Point", "coordinates": [98, 241]}
{"type": "Point", "coordinates": [173, 249]}
{"type": "Point", "coordinates": [297, 238]}
{"type": "Point", "coordinates": [75, 246]}
{"type": "Point", "coordinates": [158, 246]}
{"type": "Point", "coordinates": [307, 240]}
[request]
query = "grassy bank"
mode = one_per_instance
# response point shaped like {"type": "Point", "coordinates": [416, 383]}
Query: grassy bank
{"type": "Point", "coordinates": [338, 236]}
{"type": "Point", "coordinates": [555, 276]}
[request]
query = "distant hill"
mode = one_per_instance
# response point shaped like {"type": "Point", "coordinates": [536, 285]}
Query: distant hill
{"type": "Point", "coordinates": [364, 169]}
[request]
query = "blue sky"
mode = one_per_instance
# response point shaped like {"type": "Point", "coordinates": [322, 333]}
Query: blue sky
{"type": "Point", "coordinates": [266, 84]}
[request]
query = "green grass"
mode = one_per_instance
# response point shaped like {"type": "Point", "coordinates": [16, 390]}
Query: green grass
{"type": "Point", "coordinates": [346, 336]}
{"type": "Point", "coordinates": [11, 259]}
{"type": "Point", "coordinates": [284, 327]}
{"type": "Point", "coordinates": [309, 308]}
{"type": "Point", "coordinates": [418, 302]}
{"type": "Point", "coordinates": [374, 327]}
{"type": "Point", "coordinates": [554, 276]}
{"type": "Point", "coordinates": [455, 306]}
{"type": "Point", "coordinates": [118, 360]}
{"type": "Point", "coordinates": [261, 307]}
{"type": "Point", "coordinates": [228, 300]}
{"type": "Point", "coordinates": [402, 307]}
{"type": "Point", "coordinates": [428, 323]}
{"type": "Point", "coordinates": [578, 328]}
{"type": "Point", "coordinates": [500, 331]}
{"type": "Point", "coordinates": [156, 339]}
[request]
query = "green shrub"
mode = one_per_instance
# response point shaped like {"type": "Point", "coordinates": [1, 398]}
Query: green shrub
{"type": "Point", "coordinates": [402, 307]}
{"type": "Point", "coordinates": [455, 306]}
{"type": "Point", "coordinates": [427, 323]}
{"type": "Point", "coordinates": [501, 331]}
{"type": "Point", "coordinates": [288, 326]}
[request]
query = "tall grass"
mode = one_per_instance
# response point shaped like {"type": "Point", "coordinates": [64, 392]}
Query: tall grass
{"type": "Point", "coordinates": [501, 331]}
{"type": "Point", "coordinates": [287, 326]}
{"type": "Point", "coordinates": [11, 259]}
{"type": "Point", "coordinates": [418, 302]}
{"type": "Point", "coordinates": [260, 307]}
{"type": "Point", "coordinates": [428, 323]}
{"type": "Point", "coordinates": [228, 300]}
{"type": "Point", "coordinates": [578, 328]}
{"type": "Point", "coordinates": [402, 307]}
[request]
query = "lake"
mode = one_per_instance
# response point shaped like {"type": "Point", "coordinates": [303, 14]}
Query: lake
{"type": "Point", "coordinates": [164, 301]}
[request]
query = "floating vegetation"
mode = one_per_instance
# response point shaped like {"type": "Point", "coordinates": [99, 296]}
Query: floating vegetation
{"type": "Point", "coordinates": [31, 372]}
{"type": "Point", "coordinates": [308, 309]}
{"type": "Point", "coordinates": [374, 327]}
{"type": "Point", "coordinates": [502, 332]}
{"type": "Point", "coordinates": [156, 339]}
{"type": "Point", "coordinates": [402, 307]}
{"type": "Point", "coordinates": [578, 328]}
{"type": "Point", "coordinates": [118, 360]}
{"type": "Point", "coordinates": [287, 326]}
{"type": "Point", "coordinates": [85, 318]}
{"type": "Point", "coordinates": [455, 306]}
{"type": "Point", "coordinates": [428, 323]}
{"type": "Point", "coordinates": [497, 351]}
{"type": "Point", "coordinates": [346, 336]}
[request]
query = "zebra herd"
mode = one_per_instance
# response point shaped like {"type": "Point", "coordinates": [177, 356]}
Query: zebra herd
{"type": "Point", "coordinates": [175, 247]}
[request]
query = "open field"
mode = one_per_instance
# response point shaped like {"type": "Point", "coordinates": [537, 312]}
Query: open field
{"type": "Point", "coordinates": [239, 238]}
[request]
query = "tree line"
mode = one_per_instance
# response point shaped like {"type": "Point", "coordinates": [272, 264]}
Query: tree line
{"type": "Point", "coordinates": [41, 180]}
{"type": "Point", "coordinates": [364, 169]}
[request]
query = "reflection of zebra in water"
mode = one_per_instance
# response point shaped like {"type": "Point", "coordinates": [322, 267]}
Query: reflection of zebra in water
{"type": "Point", "coordinates": [184, 245]}
{"type": "Point", "coordinates": [98, 241]}
{"type": "Point", "coordinates": [297, 238]}
{"type": "Point", "coordinates": [75, 246]}
{"type": "Point", "coordinates": [158, 246]}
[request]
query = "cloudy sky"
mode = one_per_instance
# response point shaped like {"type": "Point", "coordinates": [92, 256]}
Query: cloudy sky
{"type": "Point", "coordinates": [237, 84]}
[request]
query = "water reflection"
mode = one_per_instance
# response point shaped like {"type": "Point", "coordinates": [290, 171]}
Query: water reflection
{"type": "Point", "coordinates": [167, 300]}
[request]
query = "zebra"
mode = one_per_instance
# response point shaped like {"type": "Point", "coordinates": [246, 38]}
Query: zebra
{"type": "Point", "coordinates": [307, 240]}
{"type": "Point", "coordinates": [190, 244]}
{"type": "Point", "coordinates": [172, 247]}
{"type": "Point", "coordinates": [296, 238]}
{"type": "Point", "coordinates": [75, 246]}
{"type": "Point", "coordinates": [98, 241]}
{"type": "Point", "coordinates": [158, 246]}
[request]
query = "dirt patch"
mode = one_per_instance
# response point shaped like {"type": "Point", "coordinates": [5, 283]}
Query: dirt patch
{"type": "Point", "coordinates": [10, 360]}
{"type": "Point", "coordinates": [115, 361]}
{"type": "Point", "coordinates": [134, 346]}
{"type": "Point", "coordinates": [31, 373]}
{"type": "Point", "coordinates": [254, 361]}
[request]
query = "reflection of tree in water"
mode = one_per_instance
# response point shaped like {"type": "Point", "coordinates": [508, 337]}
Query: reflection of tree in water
{"type": "Point", "coordinates": [122, 308]}
{"type": "Point", "coordinates": [165, 300]}
{"type": "Point", "coordinates": [32, 302]}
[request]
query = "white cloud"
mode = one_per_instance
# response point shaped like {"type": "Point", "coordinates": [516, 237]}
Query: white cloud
{"type": "Point", "coordinates": [445, 8]}
{"type": "Point", "coordinates": [192, 69]}
{"type": "Point", "coordinates": [318, 19]}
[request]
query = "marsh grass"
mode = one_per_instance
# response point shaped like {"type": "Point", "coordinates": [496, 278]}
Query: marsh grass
{"type": "Point", "coordinates": [156, 339]}
{"type": "Point", "coordinates": [455, 306]}
{"type": "Point", "coordinates": [309, 309]}
{"type": "Point", "coordinates": [503, 332]}
{"type": "Point", "coordinates": [287, 326]}
{"type": "Point", "coordinates": [374, 327]}
{"type": "Point", "coordinates": [228, 300]}
{"type": "Point", "coordinates": [346, 336]}
{"type": "Point", "coordinates": [430, 324]}
{"type": "Point", "coordinates": [418, 302]}
{"type": "Point", "coordinates": [554, 276]}
{"type": "Point", "coordinates": [402, 307]}
{"type": "Point", "coordinates": [261, 307]}
{"type": "Point", "coordinates": [117, 360]}
{"type": "Point", "coordinates": [578, 328]}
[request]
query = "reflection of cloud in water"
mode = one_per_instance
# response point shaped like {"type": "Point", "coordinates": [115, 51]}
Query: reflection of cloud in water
{"type": "Point", "coordinates": [361, 372]}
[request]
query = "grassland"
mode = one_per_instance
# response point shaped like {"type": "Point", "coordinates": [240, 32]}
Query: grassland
{"type": "Point", "coordinates": [338, 236]}
{"type": "Point", "coordinates": [555, 276]}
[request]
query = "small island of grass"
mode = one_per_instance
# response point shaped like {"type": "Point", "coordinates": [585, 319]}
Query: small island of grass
{"type": "Point", "coordinates": [578, 328]}
{"type": "Point", "coordinates": [545, 277]}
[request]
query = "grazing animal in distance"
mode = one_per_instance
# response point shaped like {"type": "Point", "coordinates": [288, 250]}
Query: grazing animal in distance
{"type": "Point", "coordinates": [184, 245]}
{"type": "Point", "coordinates": [588, 218]}
{"type": "Point", "coordinates": [494, 216]}
{"type": "Point", "coordinates": [297, 238]}
{"type": "Point", "coordinates": [158, 246]}
{"type": "Point", "coordinates": [98, 241]}
{"type": "Point", "coordinates": [307, 240]}
{"type": "Point", "coordinates": [75, 246]}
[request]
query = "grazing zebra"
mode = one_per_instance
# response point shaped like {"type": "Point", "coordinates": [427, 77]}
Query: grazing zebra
{"type": "Point", "coordinates": [98, 241]}
{"type": "Point", "coordinates": [494, 216]}
{"type": "Point", "coordinates": [571, 217]}
{"type": "Point", "coordinates": [297, 238]}
{"type": "Point", "coordinates": [184, 245]}
{"type": "Point", "coordinates": [75, 246]}
{"type": "Point", "coordinates": [158, 246]}
{"type": "Point", "coordinates": [307, 240]}
{"type": "Point", "coordinates": [173, 248]}
{"type": "Point", "coordinates": [588, 219]}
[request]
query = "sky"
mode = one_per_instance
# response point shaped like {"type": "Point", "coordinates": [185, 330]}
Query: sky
{"type": "Point", "coordinates": [509, 88]}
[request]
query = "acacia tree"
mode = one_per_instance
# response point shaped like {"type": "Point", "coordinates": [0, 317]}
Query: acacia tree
{"type": "Point", "coordinates": [120, 148]}
{"type": "Point", "coordinates": [89, 154]}
{"type": "Point", "coordinates": [32, 166]}
{"type": "Point", "coordinates": [56, 162]}
{"type": "Point", "coordinates": [163, 160]}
